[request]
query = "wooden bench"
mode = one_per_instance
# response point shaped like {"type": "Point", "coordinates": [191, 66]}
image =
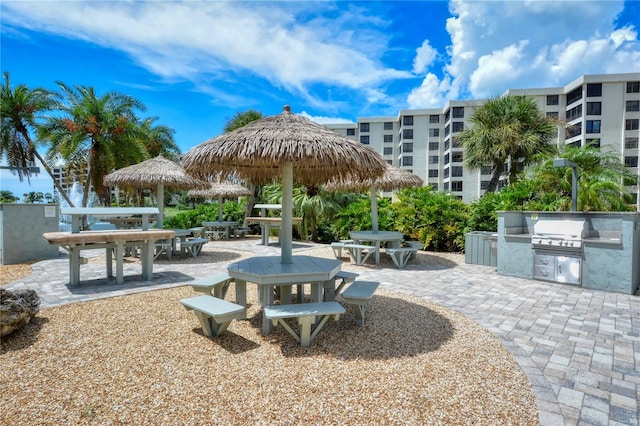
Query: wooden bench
{"type": "Point", "coordinates": [357, 295]}
{"type": "Point", "coordinates": [192, 246]}
{"type": "Point", "coordinates": [359, 252]}
{"type": "Point", "coordinates": [401, 255]}
{"type": "Point", "coordinates": [214, 314]}
{"type": "Point", "coordinates": [216, 285]}
{"type": "Point", "coordinates": [306, 314]}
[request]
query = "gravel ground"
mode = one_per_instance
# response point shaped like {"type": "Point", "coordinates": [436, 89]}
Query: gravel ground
{"type": "Point", "coordinates": [142, 359]}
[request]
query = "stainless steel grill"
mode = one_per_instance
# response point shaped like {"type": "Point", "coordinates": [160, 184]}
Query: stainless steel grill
{"type": "Point", "coordinates": [558, 249]}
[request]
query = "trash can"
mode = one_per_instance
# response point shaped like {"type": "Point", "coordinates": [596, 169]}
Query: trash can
{"type": "Point", "coordinates": [481, 248]}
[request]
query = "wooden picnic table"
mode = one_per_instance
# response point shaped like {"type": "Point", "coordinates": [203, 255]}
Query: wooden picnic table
{"type": "Point", "coordinates": [74, 243]}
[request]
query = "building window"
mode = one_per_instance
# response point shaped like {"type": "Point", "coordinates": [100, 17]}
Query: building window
{"type": "Point", "coordinates": [553, 114]}
{"type": "Point", "coordinates": [574, 95]}
{"type": "Point", "coordinates": [593, 126]}
{"type": "Point", "coordinates": [632, 106]}
{"type": "Point", "coordinates": [364, 139]}
{"type": "Point", "coordinates": [455, 142]}
{"type": "Point", "coordinates": [631, 124]}
{"type": "Point", "coordinates": [364, 127]}
{"type": "Point", "coordinates": [484, 184]}
{"type": "Point", "coordinates": [390, 162]}
{"type": "Point", "coordinates": [446, 173]}
{"type": "Point", "coordinates": [457, 157]}
{"type": "Point", "coordinates": [446, 159]}
{"type": "Point", "coordinates": [433, 159]}
{"type": "Point", "coordinates": [574, 130]}
{"type": "Point", "coordinates": [457, 126]}
{"type": "Point", "coordinates": [434, 133]}
{"type": "Point", "coordinates": [633, 86]}
{"type": "Point", "coordinates": [594, 108]}
{"type": "Point", "coordinates": [388, 138]}
{"type": "Point", "coordinates": [458, 112]}
{"type": "Point", "coordinates": [446, 186]}
{"type": "Point", "coordinates": [553, 99]}
{"type": "Point", "coordinates": [407, 161]}
{"type": "Point", "coordinates": [631, 143]}
{"type": "Point", "coordinates": [434, 146]}
{"type": "Point", "coordinates": [631, 161]}
{"type": "Point", "coordinates": [388, 125]}
{"type": "Point", "coordinates": [434, 118]}
{"type": "Point", "coordinates": [407, 134]}
{"type": "Point", "coordinates": [593, 143]}
{"type": "Point", "coordinates": [351, 132]}
{"type": "Point", "coordinates": [447, 130]}
{"type": "Point", "coordinates": [434, 186]}
{"type": "Point", "coordinates": [407, 147]}
{"type": "Point", "coordinates": [594, 89]}
{"type": "Point", "coordinates": [575, 112]}
{"type": "Point", "coordinates": [388, 150]}
{"type": "Point", "coordinates": [456, 186]}
{"type": "Point", "coordinates": [433, 173]}
{"type": "Point", "coordinates": [456, 171]}
{"type": "Point", "coordinates": [486, 170]}
{"type": "Point", "coordinates": [447, 143]}
{"type": "Point", "coordinates": [407, 120]}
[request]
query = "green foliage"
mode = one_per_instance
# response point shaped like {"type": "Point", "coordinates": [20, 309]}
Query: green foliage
{"type": "Point", "coordinates": [7, 197]}
{"type": "Point", "coordinates": [356, 216]}
{"type": "Point", "coordinates": [483, 214]}
{"type": "Point", "coordinates": [231, 211]}
{"type": "Point", "coordinates": [435, 218]}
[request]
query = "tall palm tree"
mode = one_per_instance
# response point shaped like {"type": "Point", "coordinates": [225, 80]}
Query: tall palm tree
{"type": "Point", "coordinates": [158, 139]}
{"type": "Point", "coordinates": [506, 128]}
{"type": "Point", "coordinates": [20, 110]}
{"type": "Point", "coordinates": [96, 134]}
{"type": "Point", "coordinates": [241, 119]}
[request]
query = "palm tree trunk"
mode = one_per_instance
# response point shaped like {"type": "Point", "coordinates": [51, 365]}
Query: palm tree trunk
{"type": "Point", "coordinates": [495, 179]}
{"type": "Point", "coordinates": [250, 203]}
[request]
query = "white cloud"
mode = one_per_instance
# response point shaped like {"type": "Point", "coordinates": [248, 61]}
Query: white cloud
{"type": "Point", "coordinates": [432, 93]}
{"type": "Point", "coordinates": [325, 120]}
{"type": "Point", "coordinates": [425, 56]}
{"type": "Point", "coordinates": [496, 46]}
{"type": "Point", "coordinates": [292, 46]}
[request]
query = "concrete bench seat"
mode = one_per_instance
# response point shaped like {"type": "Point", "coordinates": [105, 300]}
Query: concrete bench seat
{"type": "Point", "coordinates": [357, 295]}
{"type": "Point", "coordinates": [214, 314]}
{"type": "Point", "coordinates": [242, 232]}
{"type": "Point", "coordinates": [306, 314]}
{"type": "Point", "coordinates": [193, 246]}
{"type": "Point", "coordinates": [216, 285]}
{"type": "Point", "coordinates": [346, 277]}
{"type": "Point", "coordinates": [163, 246]}
{"type": "Point", "coordinates": [401, 255]}
{"type": "Point", "coordinates": [337, 247]}
{"type": "Point", "coordinates": [216, 234]}
{"type": "Point", "coordinates": [359, 252]}
{"type": "Point", "coordinates": [197, 231]}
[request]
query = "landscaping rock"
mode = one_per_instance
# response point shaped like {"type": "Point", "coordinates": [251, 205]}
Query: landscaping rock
{"type": "Point", "coordinates": [17, 307]}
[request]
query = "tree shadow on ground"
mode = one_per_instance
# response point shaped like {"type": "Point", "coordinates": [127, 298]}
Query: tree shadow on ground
{"type": "Point", "coordinates": [24, 337]}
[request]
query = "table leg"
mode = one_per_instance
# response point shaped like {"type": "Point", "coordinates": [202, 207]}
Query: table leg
{"type": "Point", "coordinates": [377, 253]}
{"type": "Point", "coordinates": [74, 266]}
{"type": "Point", "coordinates": [329, 290]}
{"type": "Point", "coordinates": [241, 292]}
{"type": "Point", "coordinates": [119, 262]}
{"type": "Point", "coordinates": [266, 294]}
{"type": "Point", "coordinates": [146, 258]}
{"type": "Point", "coordinates": [316, 292]}
{"type": "Point", "coordinates": [109, 254]}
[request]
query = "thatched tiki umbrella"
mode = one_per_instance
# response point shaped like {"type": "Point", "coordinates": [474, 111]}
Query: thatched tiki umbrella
{"type": "Point", "coordinates": [392, 179]}
{"type": "Point", "coordinates": [286, 145]}
{"type": "Point", "coordinates": [220, 190]}
{"type": "Point", "coordinates": [158, 172]}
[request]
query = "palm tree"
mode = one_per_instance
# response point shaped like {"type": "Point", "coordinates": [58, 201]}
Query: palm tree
{"type": "Point", "coordinates": [602, 180]}
{"type": "Point", "coordinates": [158, 139]}
{"type": "Point", "coordinates": [95, 135]}
{"type": "Point", "coordinates": [20, 110]}
{"type": "Point", "coordinates": [503, 129]}
{"type": "Point", "coordinates": [241, 119]}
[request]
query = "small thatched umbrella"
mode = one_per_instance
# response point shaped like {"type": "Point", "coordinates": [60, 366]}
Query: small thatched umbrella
{"type": "Point", "coordinates": [220, 190]}
{"type": "Point", "coordinates": [158, 172]}
{"type": "Point", "coordinates": [392, 179]}
{"type": "Point", "coordinates": [286, 145]}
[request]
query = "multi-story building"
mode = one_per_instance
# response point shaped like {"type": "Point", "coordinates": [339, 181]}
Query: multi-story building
{"type": "Point", "coordinates": [602, 110]}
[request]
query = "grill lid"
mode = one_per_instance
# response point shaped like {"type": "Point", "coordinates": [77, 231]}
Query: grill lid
{"type": "Point", "coordinates": [566, 228]}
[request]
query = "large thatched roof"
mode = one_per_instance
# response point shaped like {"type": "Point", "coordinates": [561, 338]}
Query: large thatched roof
{"type": "Point", "coordinates": [259, 151]}
{"type": "Point", "coordinates": [151, 172]}
{"type": "Point", "coordinates": [392, 179]}
{"type": "Point", "coordinates": [220, 190]}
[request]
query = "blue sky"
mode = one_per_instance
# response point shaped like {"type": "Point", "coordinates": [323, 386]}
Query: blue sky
{"type": "Point", "coordinates": [195, 64]}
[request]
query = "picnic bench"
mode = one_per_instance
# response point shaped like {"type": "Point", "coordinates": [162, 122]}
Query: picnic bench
{"type": "Point", "coordinates": [74, 243]}
{"type": "Point", "coordinates": [359, 252]}
{"type": "Point", "coordinates": [401, 255]}
{"type": "Point", "coordinates": [193, 246]}
{"type": "Point", "coordinates": [216, 284]}
{"type": "Point", "coordinates": [214, 314]}
{"type": "Point", "coordinates": [357, 295]}
{"type": "Point", "coordinates": [306, 314]}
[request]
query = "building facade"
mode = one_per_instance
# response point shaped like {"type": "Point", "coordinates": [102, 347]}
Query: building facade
{"type": "Point", "coordinates": [602, 110]}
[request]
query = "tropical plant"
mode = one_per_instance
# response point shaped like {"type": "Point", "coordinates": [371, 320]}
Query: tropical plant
{"type": "Point", "coordinates": [158, 140]}
{"type": "Point", "coordinates": [7, 197]}
{"type": "Point", "coordinates": [20, 110]}
{"type": "Point", "coordinates": [356, 216]}
{"type": "Point", "coordinates": [509, 128]}
{"type": "Point", "coordinates": [95, 135]}
{"type": "Point", "coordinates": [239, 120]}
